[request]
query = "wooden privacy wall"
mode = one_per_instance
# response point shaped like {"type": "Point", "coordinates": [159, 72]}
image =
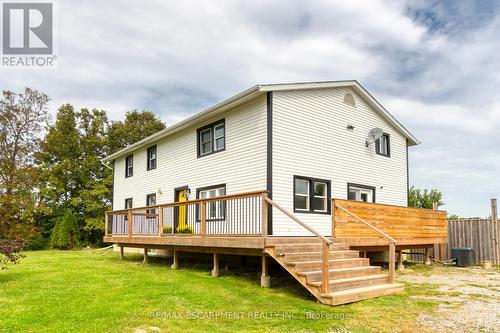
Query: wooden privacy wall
{"type": "Point", "coordinates": [406, 225]}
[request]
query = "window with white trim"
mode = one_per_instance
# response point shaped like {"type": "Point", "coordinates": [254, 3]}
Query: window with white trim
{"type": "Point", "coordinates": [129, 166]}
{"type": "Point", "coordinates": [151, 201]}
{"type": "Point", "coordinates": [311, 195]}
{"type": "Point", "coordinates": [151, 155]}
{"type": "Point", "coordinates": [128, 203]}
{"type": "Point", "coordinates": [363, 193]}
{"type": "Point", "coordinates": [383, 146]}
{"type": "Point", "coordinates": [211, 138]}
{"type": "Point", "coordinates": [215, 210]}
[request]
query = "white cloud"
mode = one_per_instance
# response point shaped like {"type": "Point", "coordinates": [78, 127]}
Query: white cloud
{"type": "Point", "coordinates": [435, 67]}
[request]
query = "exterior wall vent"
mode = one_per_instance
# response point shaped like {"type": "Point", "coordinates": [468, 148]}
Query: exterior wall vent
{"type": "Point", "coordinates": [349, 99]}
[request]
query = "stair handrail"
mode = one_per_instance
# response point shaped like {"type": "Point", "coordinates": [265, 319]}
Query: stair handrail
{"type": "Point", "coordinates": [392, 241]}
{"type": "Point", "coordinates": [325, 259]}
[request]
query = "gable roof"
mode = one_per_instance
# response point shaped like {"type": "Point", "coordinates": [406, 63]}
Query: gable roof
{"type": "Point", "coordinates": [258, 90]}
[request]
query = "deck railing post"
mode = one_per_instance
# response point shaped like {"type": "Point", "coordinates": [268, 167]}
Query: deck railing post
{"type": "Point", "coordinates": [333, 218]}
{"type": "Point", "coordinates": [130, 223]}
{"type": "Point", "coordinates": [325, 269]}
{"type": "Point", "coordinates": [106, 222]}
{"type": "Point", "coordinates": [392, 262]}
{"type": "Point", "coordinates": [160, 221]}
{"type": "Point", "coordinates": [203, 218]}
{"type": "Point", "coordinates": [264, 214]}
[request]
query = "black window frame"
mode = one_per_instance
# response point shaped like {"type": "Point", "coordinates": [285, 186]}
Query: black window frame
{"type": "Point", "coordinates": [150, 211]}
{"type": "Point", "coordinates": [223, 203]}
{"type": "Point", "coordinates": [131, 200]}
{"type": "Point", "coordinates": [367, 187]}
{"type": "Point", "coordinates": [377, 145]}
{"type": "Point", "coordinates": [148, 156]}
{"type": "Point", "coordinates": [311, 181]}
{"type": "Point", "coordinates": [131, 157]}
{"type": "Point", "coordinates": [210, 127]}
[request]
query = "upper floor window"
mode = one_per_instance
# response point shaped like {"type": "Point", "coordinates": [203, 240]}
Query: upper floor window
{"type": "Point", "coordinates": [151, 158]}
{"type": "Point", "coordinates": [383, 145]}
{"type": "Point", "coordinates": [129, 166]}
{"type": "Point", "coordinates": [358, 192]}
{"type": "Point", "coordinates": [311, 195]}
{"type": "Point", "coordinates": [211, 138]}
{"type": "Point", "coordinates": [128, 203]}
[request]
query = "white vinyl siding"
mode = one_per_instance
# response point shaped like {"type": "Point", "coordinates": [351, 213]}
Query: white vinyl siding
{"type": "Point", "coordinates": [241, 166]}
{"type": "Point", "coordinates": [311, 138]}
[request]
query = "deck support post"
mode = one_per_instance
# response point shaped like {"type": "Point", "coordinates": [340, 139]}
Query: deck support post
{"type": "Point", "coordinates": [392, 262]}
{"type": "Point", "coordinates": [428, 256]}
{"type": "Point", "coordinates": [401, 267]}
{"type": "Point", "coordinates": [146, 259]}
{"type": "Point", "coordinates": [215, 270]}
{"type": "Point", "coordinates": [121, 252]}
{"type": "Point", "coordinates": [265, 279]}
{"type": "Point", "coordinates": [175, 262]}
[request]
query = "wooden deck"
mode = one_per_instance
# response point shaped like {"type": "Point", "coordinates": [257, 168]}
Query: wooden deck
{"type": "Point", "coordinates": [329, 266]}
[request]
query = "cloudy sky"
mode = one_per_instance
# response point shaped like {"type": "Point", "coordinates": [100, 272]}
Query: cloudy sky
{"type": "Point", "coordinates": [434, 64]}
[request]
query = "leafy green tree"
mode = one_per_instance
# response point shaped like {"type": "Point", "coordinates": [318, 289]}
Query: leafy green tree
{"type": "Point", "coordinates": [95, 197]}
{"type": "Point", "coordinates": [423, 198]}
{"type": "Point", "coordinates": [22, 117]}
{"type": "Point", "coordinates": [453, 217]}
{"type": "Point", "coordinates": [66, 232]}
{"type": "Point", "coordinates": [72, 177]}
{"type": "Point", "coordinates": [136, 126]}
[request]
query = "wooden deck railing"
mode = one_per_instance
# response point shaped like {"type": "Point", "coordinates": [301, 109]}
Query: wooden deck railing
{"type": "Point", "coordinates": [325, 258]}
{"type": "Point", "coordinates": [392, 241]}
{"type": "Point", "coordinates": [236, 214]}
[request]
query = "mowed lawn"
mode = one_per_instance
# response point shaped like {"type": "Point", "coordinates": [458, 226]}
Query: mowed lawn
{"type": "Point", "coordinates": [95, 291]}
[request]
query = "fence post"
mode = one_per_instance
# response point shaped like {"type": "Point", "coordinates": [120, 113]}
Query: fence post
{"type": "Point", "coordinates": [264, 216]}
{"type": "Point", "coordinates": [494, 218]}
{"type": "Point", "coordinates": [435, 206]}
{"type": "Point", "coordinates": [203, 218]}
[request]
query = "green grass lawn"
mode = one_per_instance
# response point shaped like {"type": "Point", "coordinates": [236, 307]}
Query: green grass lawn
{"type": "Point", "coordinates": [95, 291]}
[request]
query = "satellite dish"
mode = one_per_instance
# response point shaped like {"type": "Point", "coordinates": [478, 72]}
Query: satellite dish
{"type": "Point", "coordinates": [374, 134]}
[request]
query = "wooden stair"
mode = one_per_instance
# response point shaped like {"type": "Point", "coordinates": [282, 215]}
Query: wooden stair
{"type": "Point", "coordinates": [351, 278]}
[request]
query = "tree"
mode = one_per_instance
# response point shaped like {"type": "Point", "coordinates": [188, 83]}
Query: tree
{"type": "Point", "coordinates": [136, 126]}
{"type": "Point", "coordinates": [423, 198]}
{"type": "Point", "coordinates": [72, 176]}
{"type": "Point", "coordinates": [453, 217]}
{"type": "Point", "coordinates": [66, 233]}
{"type": "Point", "coordinates": [22, 117]}
{"type": "Point", "coordinates": [95, 196]}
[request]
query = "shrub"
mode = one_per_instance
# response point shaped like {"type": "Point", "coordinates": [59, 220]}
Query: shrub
{"type": "Point", "coordinates": [65, 233]}
{"type": "Point", "coordinates": [184, 229]}
{"type": "Point", "coordinates": [167, 229]}
{"type": "Point", "coordinates": [10, 251]}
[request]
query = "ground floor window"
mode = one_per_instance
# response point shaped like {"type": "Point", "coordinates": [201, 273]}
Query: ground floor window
{"type": "Point", "coordinates": [128, 203]}
{"type": "Point", "coordinates": [311, 195]}
{"type": "Point", "coordinates": [215, 210]}
{"type": "Point", "coordinates": [151, 201]}
{"type": "Point", "coordinates": [359, 192]}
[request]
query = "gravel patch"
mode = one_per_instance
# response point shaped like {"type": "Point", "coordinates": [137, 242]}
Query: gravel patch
{"type": "Point", "coordinates": [471, 300]}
